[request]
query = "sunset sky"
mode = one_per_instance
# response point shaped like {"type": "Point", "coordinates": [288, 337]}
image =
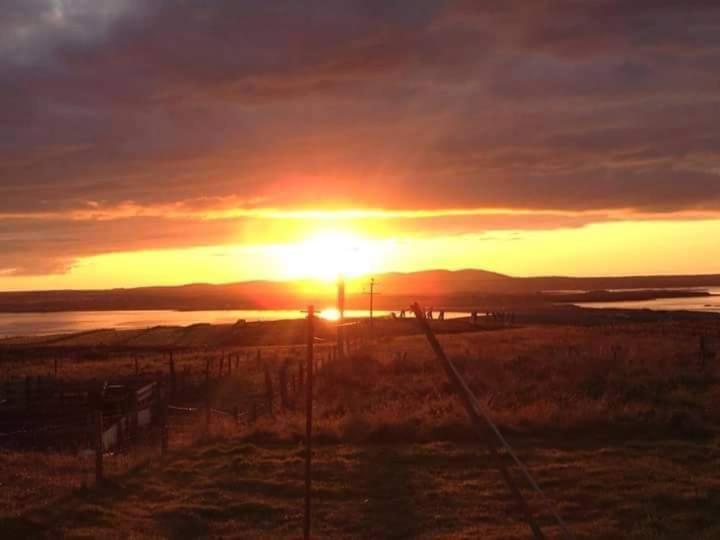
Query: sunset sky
{"type": "Point", "coordinates": [172, 141]}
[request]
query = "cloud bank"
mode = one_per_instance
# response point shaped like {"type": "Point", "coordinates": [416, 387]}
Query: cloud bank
{"type": "Point", "coordinates": [126, 124]}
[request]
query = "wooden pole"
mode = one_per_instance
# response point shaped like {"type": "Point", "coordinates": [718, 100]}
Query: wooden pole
{"type": "Point", "coordinates": [282, 381]}
{"type": "Point", "coordinates": [55, 366]}
{"type": "Point", "coordinates": [466, 397]}
{"type": "Point", "coordinates": [341, 317]}
{"type": "Point", "coordinates": [137, 366]}
{"type": "Point", "coordinates": [98, 443]}
{"type": "Point", "coordinates": [133, 418]}
{"type": "Point", "coordinates": [301, 376]}
{"type": "Point", "coordinates": [372, 291]}
{"type": "Point", "coordinates": [163, 422]}
{"type": "Point", "coordinates": [308, 421]}
{"type": "Point", "coordinates": [207, 395]}
{"type": "Point", "coordinates": [173, 378]}
{"type": "Point", "coordinates": [268, 389]}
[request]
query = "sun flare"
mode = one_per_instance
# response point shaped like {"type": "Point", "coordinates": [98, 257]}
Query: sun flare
{"type": "Point", "coordinates": [328, 254]}
{"type": "Point", "coordinates": [330, 314]}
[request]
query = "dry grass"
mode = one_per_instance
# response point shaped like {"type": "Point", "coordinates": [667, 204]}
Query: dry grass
{"type": "Point", "coordinates": [618, 424]}
{"type": "Point", "coordinates": [100, 364]}
{"type": "Point", "coordinates": [604, 384]}
{"type": "Point", "coordinates": [240, 489]}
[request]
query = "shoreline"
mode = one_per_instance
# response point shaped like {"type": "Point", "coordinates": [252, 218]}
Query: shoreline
{"type": "Point", "coordinates": [291, 332]}
{"type": "Point", "coordinates": [480, 302]}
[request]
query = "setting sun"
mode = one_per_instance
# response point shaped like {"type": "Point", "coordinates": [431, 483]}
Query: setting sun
{"type": "Point", "coordinates": [328, 254]}
{"type": "Point", "coordinates": [330, 314]}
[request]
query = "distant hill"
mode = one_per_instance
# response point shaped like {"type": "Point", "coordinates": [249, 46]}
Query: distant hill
{"type": "Point", "coordinates": [436, 281]}
{"type": "Point", "coordinates": [394, 290]}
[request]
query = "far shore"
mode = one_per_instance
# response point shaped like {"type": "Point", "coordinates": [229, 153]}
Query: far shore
{"type": "Point", "coordinates": [452, 302]}
{"type": "Point", "coordinates": [292, 332]}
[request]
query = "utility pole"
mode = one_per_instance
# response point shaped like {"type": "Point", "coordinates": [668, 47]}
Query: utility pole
{"type": "Point", "coordinates": [309, 420]}
{"type": "Point", "coordinates": [341, 316]}
{"type": "Point", "coordinates": [372, 290]}
{"type": "Point", "coordinates": [371, 293]}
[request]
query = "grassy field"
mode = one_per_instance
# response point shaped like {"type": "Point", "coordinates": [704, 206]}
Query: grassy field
{"type": "Point", "coordinates": [237, 488]}
{"type": "Point", "coordinates": [618, 424]}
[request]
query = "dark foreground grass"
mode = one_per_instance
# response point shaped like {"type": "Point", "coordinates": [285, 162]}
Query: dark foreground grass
{"type": "Point", "coordinates": [240, 489]}
{"type": "Point", "coordinates": [620, 425]}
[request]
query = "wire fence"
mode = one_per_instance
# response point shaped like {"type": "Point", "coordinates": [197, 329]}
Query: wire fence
{"type": "Point", "coordinates": [117, 416]}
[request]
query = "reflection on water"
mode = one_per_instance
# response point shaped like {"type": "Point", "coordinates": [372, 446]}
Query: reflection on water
{"type": "Point", "coordinates": [25, 324]}
{"type": "Point", "coordinates": [700, 303]}
{"type": "Point", "coordinates": [29, 324]}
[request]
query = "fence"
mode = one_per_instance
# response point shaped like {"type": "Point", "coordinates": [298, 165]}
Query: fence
{"type": "Point", "coordinates": [113, 416]}
{"type": "Point", "coordinates": [121, 411]}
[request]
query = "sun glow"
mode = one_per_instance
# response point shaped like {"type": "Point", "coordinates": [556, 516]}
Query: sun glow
{"type": "Point", "coordinates": [330, 314]}
{"type": "Point", "coordinates": [328, 254]}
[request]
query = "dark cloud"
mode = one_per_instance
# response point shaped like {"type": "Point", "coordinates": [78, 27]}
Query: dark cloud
{"type": "Point", "coordinates": [563, 105]}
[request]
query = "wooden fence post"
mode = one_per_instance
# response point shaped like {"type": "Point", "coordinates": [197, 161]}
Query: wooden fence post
{"type": "Point", "coordinates": [55, 366]}
{"type": "Point", "coordinates": [173, 378]}
{"type": "Point", "coordinates": [236, 415]}
{"type": "Point", "coordinates": [282, 382]}
{"type": "Point", "coordinates": [122, 432]}
{"type": "Point", "coordinates": [703, 354]}
{"type": "Point", "coordinates": [98, 413]}
{"type": "Point", "coordinates": [163, 422]}
{"type": "Point", "coordinates": [207, 395]}
{"type": "Point", "coordinates": [301, 376]}
{"type": "Point", "coordinates": [137, 366]}
{"type": "Point", "coordinates": [268, 389]}
{"type": "Point", "coordinates": [308, 421]}
{"type": "Point", "coordinates": [133, 418]}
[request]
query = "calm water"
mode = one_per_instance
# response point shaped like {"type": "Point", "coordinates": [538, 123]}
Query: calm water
{"type": "Point", "coordinates": [707, 303]}
{"type": "Point", "coordinates": [29, 324]}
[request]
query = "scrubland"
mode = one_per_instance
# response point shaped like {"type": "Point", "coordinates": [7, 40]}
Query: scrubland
{"type": "Point", "coordinates": [619, 425]}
